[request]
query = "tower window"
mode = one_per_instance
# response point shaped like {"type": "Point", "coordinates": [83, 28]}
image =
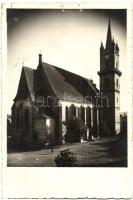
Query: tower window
{"type": "Point", "coordinates": [117, 83]}
{"type": "Point", "coordinates": [117, 63]}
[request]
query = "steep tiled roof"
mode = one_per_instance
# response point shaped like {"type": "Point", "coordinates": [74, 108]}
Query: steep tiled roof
{"type": "Point", "coordinates": [80, 81]}
{"type": "Point", "coordinates": [65, 85]}
{"type": "Point", "coordinates": [29, 77]}
{"type": "Point", "coordinates": [25, 87]}
{"type": "Point", "coordinates": [61, 87]}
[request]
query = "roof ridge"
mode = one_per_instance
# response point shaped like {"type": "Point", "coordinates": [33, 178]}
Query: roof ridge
{"type": "Point", "coordinates": [24, 67]}
{"type": "Point", "coordinates": [67, 71]}
{"type": "Point", "coordinates": [48, 78]}
{"type": "Point", "coordinates": [27, 78]}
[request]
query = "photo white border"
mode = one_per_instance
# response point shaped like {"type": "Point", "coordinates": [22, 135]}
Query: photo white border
{"type": "Point", "coordinates": [48, 182]}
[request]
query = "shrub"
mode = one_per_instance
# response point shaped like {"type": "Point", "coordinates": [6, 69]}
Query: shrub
{"type": "Point", "coordinates": [65, 159]}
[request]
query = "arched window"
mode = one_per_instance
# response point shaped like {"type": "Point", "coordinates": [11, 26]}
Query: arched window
{"type": "Point", "coordinates": [66, 113]}
{"type": "Point", "coordinates": [117, 83]}
{"type": "Point", "coordinates": [26, 118]}
{"type": "Point", "coordinates": [72, 111]}
{"type": "Point", "coordinates": [20, 115]}
{"type": "Point", "coordinates": [18, 120]}
{"type": "Point", "coordinates": [88, 116]}
{"type": "Point", "coordinates": [13, 114]}
{"type": "Point", "coordinates": [116, 63]}
{"type": "Point", "coordinates": [82, 113]}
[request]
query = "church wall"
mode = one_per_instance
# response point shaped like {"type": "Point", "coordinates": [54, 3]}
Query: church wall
{"type": "Point", "coordinates": [117, 120]}
{"type": "Point", "coordinates": [56, 112]}
{"type": "Point", "coordinates": [107, 83]}
{"type": "Point", "coordinates": [117, 104]}
{"type": "Point", "coordinates": [43, 131]}
{"type": "Point", "coordinates": [22, 127]}
{"type": "Point", "coordinates": [68, 110]}
{"type": "Point", "coordinates": [37, 131]}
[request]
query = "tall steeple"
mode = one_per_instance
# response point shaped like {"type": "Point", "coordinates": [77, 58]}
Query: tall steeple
{"type": "Point", "coordinates": [110, 83]}
{"type": "Point", "coordinates": [109, 36]}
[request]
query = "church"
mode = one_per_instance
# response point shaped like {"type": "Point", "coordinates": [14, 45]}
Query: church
{"type": "Point", "coordinates": [48, 97]}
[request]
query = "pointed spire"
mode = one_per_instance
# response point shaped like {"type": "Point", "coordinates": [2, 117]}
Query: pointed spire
{"type": "Point", "coordinates": [117, 47]}
{"type": "Point", "coordinates": [23, 62]}
{"type": "Point", "coordinates": [109, 36]}
{"type": "Point", "coordinates": [101, 47]}
{"type": "Point", "coordinates": [40, 58]}
{"type": "Point", "coordinates": [113, 40]}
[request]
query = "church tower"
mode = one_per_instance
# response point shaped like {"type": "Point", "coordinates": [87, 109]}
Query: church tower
{"type": "Point", "coordinates": [110, 83]}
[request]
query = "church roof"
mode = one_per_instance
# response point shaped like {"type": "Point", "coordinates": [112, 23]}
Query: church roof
{"type": "Point", "coordinates": [29, 77]}
{"type": "Point", "coordinates": [61, 87]}
{"type": "Point", "coordinates": [65, 85]}
{"type": "Point", "coordinates": [71, 78]}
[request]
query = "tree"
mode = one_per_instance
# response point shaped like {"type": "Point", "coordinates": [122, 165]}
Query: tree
{"type": "Point", "coordinates": [75, 130]}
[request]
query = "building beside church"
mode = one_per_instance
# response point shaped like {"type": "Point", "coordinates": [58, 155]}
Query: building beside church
{"type": "Point", "coordinates": [49, 96]}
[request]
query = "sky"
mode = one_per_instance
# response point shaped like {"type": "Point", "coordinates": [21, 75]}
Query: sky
{"type": "Point", "coordinates": [69, 39]}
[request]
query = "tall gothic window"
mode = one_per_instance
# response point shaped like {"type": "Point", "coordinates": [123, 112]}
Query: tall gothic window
{"type": "Point", "coordinates": [18, 120]}
{"type": "Point", "coordinates": [82, 111]}
{"type": "Point", "coordinates": [72, 111]}
{"type": "Point", "coordinates": [26, 117]}
{"type": "Point", "coordinates": [13, 114]}
{"type": "Point", "coordinates": [66, 113]}
{"type": "Point", "coordinates": [117, 83]}
{"type": "Point", "coordinates": [20, 115]}
{"type": "Point", "coordinates": [116, 64]}
{"type": "Point", "coordinates": [88, 116]}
